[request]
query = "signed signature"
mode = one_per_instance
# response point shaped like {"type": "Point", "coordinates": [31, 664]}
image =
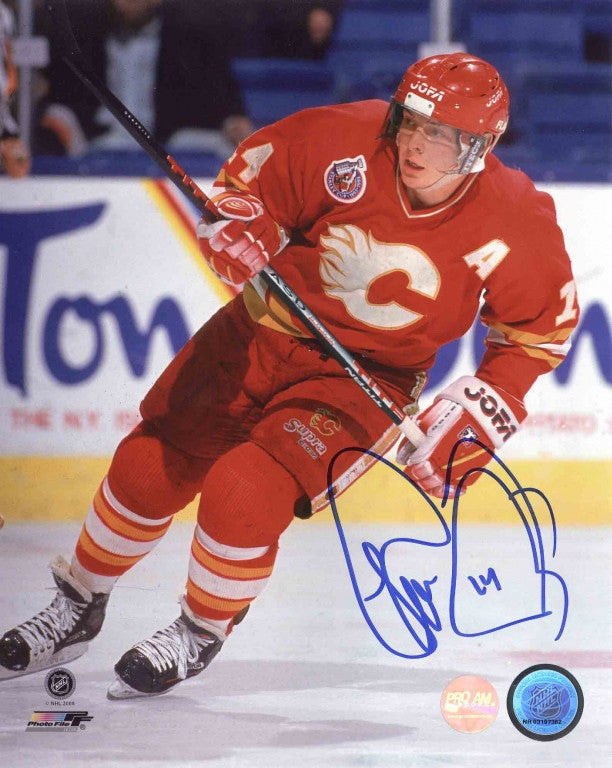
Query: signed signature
{"type": "Point", "coordinates": [480, 601]}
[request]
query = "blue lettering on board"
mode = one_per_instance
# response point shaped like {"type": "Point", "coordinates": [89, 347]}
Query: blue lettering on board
{"type": "Point", "coordinates": [136, 343]}
{"type": "Point", "coordinates": [22, 233]}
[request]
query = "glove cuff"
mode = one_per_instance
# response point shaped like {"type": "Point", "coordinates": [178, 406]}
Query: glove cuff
{"type": "Point", "coordinates": [234, 204]}
{"type": "Point", "coordinates": [497, 412]}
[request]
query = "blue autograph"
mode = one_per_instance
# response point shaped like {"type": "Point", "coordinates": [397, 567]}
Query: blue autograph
{"type": "Point", "coordinates": [413, 599]}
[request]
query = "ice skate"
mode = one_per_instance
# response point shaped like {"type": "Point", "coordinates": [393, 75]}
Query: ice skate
{"type": "Point", "coordinates": [57, 634]}
{"type": "Point", "coordinates": [156, 665]}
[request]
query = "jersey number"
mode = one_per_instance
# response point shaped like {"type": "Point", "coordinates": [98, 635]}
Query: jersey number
{"type": "Point", "coordinates": [570, 310]}
{"type": "Point", "coordinates": [254, 158]}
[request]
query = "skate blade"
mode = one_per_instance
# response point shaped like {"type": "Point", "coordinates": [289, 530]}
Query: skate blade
{"type": "Point", "coordinates": [119, 690]}
{"type": "Point", "coordinates": [70, 653]}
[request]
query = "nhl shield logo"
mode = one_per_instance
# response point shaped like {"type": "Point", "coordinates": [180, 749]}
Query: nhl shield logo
{"type": "Point", "coordinates": [345, 179]}
{"type": "Point", "coordinates": [60, 683]}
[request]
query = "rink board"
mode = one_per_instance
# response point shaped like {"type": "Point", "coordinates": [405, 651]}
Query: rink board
{"type": "Point", "coordinates": [61, 489]}
{"type": "Point", "coordinates": [86, 268]}
{"type": "Point", "coordinates": [102, 283]}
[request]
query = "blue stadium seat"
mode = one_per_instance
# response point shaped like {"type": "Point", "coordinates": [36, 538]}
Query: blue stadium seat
{"type": "Point", "coordinates": [597, 29]}
{"type": "Point", "coordinates": [274, 88]}
{"type": "Point", "coordinates": [377, 79]}
{"type": "Point", "coordinates": [598, 16]}
{"type": "Point", "coordinates": [369, 32]}
{"type": "Point", "coordinates": [511, 33]}
{"type": "Point", "coordinates": [568, 112]}
{"type": "Point", "coordinates": [357, 26]}
{"type": "Point", "coordinates": [129, 162]}
{"type": "Point", "coordinates": [387, 5]}
{"type": "Point", "coordinates": [383, 77]}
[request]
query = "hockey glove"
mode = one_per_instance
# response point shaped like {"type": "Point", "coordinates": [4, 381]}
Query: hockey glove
{"type": "Point", "coordinates": [468, 408]}
{"type": "Point", "coordinates": [242, 243]}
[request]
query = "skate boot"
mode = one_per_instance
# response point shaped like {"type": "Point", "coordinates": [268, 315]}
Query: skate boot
{"type": "Point", "coordinates": [57, 634]}
{"type": "Point", "coordinates": [153, 666]}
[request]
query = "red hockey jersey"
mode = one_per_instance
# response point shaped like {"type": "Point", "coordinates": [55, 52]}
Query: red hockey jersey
{"type": "Point", "coordinates": [394, 283]}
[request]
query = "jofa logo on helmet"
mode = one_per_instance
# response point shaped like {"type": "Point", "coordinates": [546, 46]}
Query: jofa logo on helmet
{"type": "Point", "coordinates": [345, 179]}
{"type": "Point", "coordinates": [495, 98]}
{"type": "Point", "coordinates": [427, 90]}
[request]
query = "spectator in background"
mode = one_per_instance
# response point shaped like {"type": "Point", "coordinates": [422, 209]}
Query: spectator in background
{"type": "Point", "coordinates": [299, 29]}
{"type": "Point", "coordinates": [167, 60]}
{"type": "Point", "coordinates": [14, 156]}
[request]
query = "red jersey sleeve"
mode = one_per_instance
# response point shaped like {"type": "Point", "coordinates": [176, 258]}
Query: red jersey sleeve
{"type": "Point", "coordinates": [270, 165]}
{"type": "Point", "coordinates": [530, 304]}
{"type": "Point", "coordinates": [282, 164]}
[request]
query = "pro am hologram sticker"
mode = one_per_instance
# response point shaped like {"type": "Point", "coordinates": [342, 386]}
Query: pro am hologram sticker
{"type": "Point", "coordinates": [469, 704]}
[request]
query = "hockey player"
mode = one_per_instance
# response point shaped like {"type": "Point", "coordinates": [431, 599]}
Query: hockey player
{"type": "Point", "coordinates": [14, 156]}
{"type": "Point", "coordinates": [395, 225]}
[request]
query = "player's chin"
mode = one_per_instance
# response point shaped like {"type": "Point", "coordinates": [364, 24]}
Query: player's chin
{"type": "Point", "coordinates": [417, 177]}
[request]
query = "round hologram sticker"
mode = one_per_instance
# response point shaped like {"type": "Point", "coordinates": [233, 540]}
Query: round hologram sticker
{"type": "Point", "coordinates": [545, 702]}
{"type": "Point", "coordinates": [469, 704]}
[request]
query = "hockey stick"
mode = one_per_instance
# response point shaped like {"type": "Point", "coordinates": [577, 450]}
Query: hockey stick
{"type": "Point", "coordinates": [73, 57]}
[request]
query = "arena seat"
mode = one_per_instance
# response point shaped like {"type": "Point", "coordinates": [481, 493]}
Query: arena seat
{"type": "Point", "coordinates": [511, 34]}
{"type": "Point", "coordinates": [275, 88]}
{"type": "Point", "coordinates": [368, 32]}
{"type": "Point", "coordinates": [597, 28]}
{"type": "Point", "coordinates": [568, 111]}
{"type": "Point", "coordinates": [597, 16]}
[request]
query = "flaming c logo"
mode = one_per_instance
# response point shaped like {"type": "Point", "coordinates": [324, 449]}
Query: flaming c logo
{"type": "Point", "coordinates": [325, 422]}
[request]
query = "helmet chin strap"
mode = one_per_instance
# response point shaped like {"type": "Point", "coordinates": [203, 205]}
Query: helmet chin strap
{"type": "Point", "coordinates": [446, 177]}
{"type": "Point", "coordinates": [449, 176]}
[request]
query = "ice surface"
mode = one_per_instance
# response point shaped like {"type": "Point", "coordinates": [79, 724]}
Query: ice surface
{"type": "Point", "coordinates": [303, 681]}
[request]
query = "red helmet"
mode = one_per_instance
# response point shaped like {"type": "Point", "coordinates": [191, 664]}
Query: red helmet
{"type": "Point", "coordinates": [457, 89]}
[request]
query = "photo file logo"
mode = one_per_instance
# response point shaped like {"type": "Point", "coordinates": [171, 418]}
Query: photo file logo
{"type": "Point", "coordinates": [53, 721]}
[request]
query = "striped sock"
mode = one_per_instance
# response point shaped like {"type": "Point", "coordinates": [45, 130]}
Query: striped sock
{"type": "Point", "coordinates": [224, 579]}
{"type": "Point", "coordinates": [112, 540]}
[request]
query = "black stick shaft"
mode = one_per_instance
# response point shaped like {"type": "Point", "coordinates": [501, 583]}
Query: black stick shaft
{"type": "Point", "coordinates": [74, 59]}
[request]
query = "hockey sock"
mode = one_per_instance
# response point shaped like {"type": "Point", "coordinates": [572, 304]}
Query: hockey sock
{"type": "Point", "coordinates": [224, 580]}
{"type": "Point", "coordinates": [148, 482]}
{"type": "Point", "coordinates": [112, 540]}
{"type": "Point", "coordinates": [247, 502]}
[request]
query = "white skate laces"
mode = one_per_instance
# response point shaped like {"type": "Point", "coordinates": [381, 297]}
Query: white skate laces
{"type": "Point", "coordinates": [174, 645]}
{"type": "Point", "coordinates": [178, 652]}
{"type": "Point", "coordinates": [57, 634]}
{"type": "Point", "coordinates": [49, 627]}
